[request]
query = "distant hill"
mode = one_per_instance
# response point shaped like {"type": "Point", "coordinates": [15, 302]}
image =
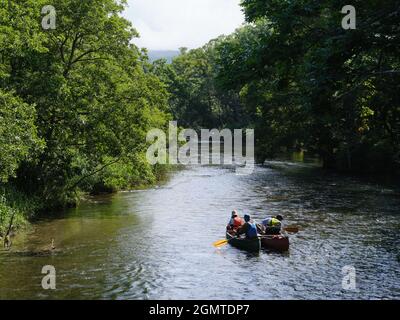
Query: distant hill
{"type": "Point", "coordinates": [162, 54]}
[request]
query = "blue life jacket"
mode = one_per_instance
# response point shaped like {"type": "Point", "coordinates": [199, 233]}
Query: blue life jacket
{"type": "Point", "coordinates": [252, 231]}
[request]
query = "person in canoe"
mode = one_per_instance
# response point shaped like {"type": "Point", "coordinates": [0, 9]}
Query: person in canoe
{"type": "Point", "coordinates": [235, 223]}
{"type": "Point", "coordinates": [249, 228]}
{"type": "Point", "coordinates": [273, 225]}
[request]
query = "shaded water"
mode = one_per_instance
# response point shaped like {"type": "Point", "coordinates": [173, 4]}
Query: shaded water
{"type": "Point", "coordinates": [157, 243]}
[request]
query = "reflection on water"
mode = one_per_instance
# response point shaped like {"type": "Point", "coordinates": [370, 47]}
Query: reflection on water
{"type": "Point", "coordinates": [156, 244]}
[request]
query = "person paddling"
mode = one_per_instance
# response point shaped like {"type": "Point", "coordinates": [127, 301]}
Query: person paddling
{"type": "Point", "coordinates": [235, 223]}
{"type": "Point", "coordinates": [273, 225]}
{"type": "Point", "coordinates": [249, 228]}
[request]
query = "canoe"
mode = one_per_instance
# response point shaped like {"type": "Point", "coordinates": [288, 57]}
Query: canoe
{"type": "Point", "coordinates": [250, 245]}
{"type": "Point", "coordinates": [275, 242]}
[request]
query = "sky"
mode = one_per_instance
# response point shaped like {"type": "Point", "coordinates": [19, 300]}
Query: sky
{"type": "Point", "coordinates": [171, 24]}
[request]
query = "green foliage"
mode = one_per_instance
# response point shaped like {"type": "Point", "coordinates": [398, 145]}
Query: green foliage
{"type": "Point", "coordinates": [312, 85]}
{"type": "Point", "coordinates": [121, 177]}
{"type": "Point", "coordinates": [12, 201]}
{"type": "Point", "coordinates": [5, 214]}
{"type": "Point", "coordinates": [196, 100]}
{"type": "Point", "coordinates": [77, 100]}
{"type": "Point", "coordinates": [301, 80]}
{"type": "Point", "coordinates": [18, 135]}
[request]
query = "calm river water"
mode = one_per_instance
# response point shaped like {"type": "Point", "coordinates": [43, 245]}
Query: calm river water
{"type": "Point", "coordinates": [157, 243]}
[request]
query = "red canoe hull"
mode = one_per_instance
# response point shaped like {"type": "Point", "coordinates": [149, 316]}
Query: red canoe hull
{"type": "Point", "coordinates": [277, 243]}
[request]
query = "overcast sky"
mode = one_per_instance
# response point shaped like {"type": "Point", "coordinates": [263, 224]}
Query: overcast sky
{"type": "Point", "coordinates": [171, 24]}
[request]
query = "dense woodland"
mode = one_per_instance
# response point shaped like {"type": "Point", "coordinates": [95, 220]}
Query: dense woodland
{"type": "Point", "coordinates": [302, 81]}
{"type": "Point", "coordinates": [76, 102]}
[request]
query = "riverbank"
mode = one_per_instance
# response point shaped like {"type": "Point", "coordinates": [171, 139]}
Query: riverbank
{"type": "Point", "coordinates": [18, 209]}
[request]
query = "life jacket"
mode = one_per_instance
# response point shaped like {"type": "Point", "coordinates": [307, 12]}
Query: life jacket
{"type": "Point", "coordinates": [251, 231]}
{"type": "Point", "coordinates": [237, 222]}
{"type": "Point", "coordinates": [273, 222]}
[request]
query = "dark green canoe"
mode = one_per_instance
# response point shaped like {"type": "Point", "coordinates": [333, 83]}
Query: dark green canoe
{"type": "Point", "coordinates": [253, 245]}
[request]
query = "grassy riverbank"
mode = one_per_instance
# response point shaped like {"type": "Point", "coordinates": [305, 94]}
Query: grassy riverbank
{"type": "Point", "coordinates": [17, 204]}
{"type": "Point", "coordinates": [23, 208]}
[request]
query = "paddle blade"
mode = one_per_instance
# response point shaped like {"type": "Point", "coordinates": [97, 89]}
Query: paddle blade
{"type": "Point", "coordinates": [292, 229]}
{"type": "Point", "coordinates": [220, 243]}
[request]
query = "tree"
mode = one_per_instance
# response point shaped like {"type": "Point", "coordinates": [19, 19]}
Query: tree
{"type": "Point", "coordinates": [18, 135]}
{"type": "Point", "coordinates": [93, 98]}
{"type": "Point", "coordinates": [196, 100]}
{"type": "Point", "coordinates": [316, 85]}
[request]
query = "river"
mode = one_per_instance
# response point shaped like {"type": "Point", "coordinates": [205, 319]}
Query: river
{"type": "Point", "coordinates": [157, 243]}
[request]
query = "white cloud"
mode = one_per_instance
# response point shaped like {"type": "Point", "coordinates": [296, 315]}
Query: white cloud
{"type": "Point", "coordinates": [170, 24]}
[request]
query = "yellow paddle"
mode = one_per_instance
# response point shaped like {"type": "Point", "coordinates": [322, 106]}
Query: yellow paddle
{"type": "Point", "coordinates": [220, 243]}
